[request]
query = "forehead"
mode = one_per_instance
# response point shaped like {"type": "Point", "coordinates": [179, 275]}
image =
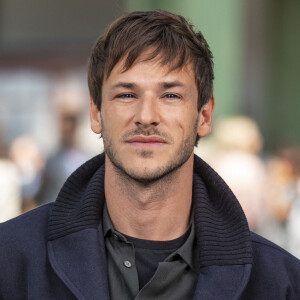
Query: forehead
{"type": "Point", "coordinates": [156, 68]}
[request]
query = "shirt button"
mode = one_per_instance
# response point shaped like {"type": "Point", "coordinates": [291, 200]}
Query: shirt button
{"type": "Point", "coordinates": [127, 264]}
{"type": "Point", "coordinates": [115, 237]}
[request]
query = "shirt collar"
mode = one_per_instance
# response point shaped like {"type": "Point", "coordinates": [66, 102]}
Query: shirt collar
{"type": "Point", "coordinates": [106, 222]}
{"type": "Point", "coordinates": [108, 228]}
{"type": "Point", "coordinates": [187, 251]}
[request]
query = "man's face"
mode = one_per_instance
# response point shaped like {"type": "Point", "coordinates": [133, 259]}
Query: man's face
{"type": "Point", "coordinates": [149, 118]}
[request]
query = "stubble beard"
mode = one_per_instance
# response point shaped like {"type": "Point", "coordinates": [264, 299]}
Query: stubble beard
{"type": "Point", "coordinates": [145, 176]}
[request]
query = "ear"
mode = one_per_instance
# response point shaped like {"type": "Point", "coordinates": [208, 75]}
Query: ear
{"type": "Point", "coordinates": [95, 117]}
{"type": "Point", "coordinates": [205, 117]}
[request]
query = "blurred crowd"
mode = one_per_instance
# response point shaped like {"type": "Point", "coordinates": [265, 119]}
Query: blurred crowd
{"type": "Point", "coordinates": [28, 178]}
{"type": "Point", "coordinates": [36, 162]}
{"type": "Point", "coordinates": [267, 186]}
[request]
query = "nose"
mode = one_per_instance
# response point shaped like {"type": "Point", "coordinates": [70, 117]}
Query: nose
{"type": "Point", "coordinates": [147, 113]}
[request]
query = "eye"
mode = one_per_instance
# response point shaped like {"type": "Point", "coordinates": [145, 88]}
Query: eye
{"type": "Point", "coordinates": [172, 96]}
{"type": "Point", "coordinates": [125, 96]}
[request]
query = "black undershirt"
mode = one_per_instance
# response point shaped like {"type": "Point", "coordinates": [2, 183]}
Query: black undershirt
{"type": "Point", "coordinates": [148, 254]}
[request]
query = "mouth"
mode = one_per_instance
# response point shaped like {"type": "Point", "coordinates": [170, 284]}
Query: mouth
{"type": "Point", "coordinates": [146, 142]}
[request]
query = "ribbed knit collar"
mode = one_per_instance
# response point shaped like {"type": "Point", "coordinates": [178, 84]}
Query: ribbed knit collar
{"type": "Point", "coordinates": [222, 232]}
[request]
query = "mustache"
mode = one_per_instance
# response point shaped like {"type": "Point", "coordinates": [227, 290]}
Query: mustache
{"type": "Point", "coordinates": [148, 132]}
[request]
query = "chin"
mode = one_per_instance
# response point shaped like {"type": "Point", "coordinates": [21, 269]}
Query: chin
{"type": "Point", "coordinates": [145, 176]}
{"type": "Point", "coordinates": [149, 174]}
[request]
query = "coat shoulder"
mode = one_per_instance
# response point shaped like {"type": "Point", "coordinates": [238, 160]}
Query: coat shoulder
{"type": "Point", "coordinates": [26, 230]}
{"type": "Point", "coordinates": [25, 269]}
{"type": "Point", "coordinates": [274, 271]}
{"type": "Point", "coordinates": [262, 246]}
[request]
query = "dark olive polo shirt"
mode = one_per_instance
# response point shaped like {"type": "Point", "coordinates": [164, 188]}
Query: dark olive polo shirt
{"type": "Point", "coordinates": [175, 277]}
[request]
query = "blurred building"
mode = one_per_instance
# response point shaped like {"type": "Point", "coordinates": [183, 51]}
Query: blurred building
{"type": "Point", "coordinates": [44, 46]}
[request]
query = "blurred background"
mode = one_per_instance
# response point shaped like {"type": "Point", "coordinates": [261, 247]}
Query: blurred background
{"type": "Point", "coordinates": [255, 141]}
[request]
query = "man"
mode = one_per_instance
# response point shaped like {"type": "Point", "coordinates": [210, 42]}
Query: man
{"type": "Point", "coordinates": [147, 219]}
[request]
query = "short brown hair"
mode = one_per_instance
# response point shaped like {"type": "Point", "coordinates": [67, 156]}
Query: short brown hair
{"type": "Point", "coordinates": [172, 39]}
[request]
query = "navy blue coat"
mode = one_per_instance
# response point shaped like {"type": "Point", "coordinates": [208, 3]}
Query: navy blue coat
{"type": "Point", "coordinates": [57, 251]}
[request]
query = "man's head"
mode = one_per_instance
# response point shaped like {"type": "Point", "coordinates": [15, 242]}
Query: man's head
{"type": "Point", "coordinates": [150, 80]}
{"type": "Point", "coordinates": [169, 37]}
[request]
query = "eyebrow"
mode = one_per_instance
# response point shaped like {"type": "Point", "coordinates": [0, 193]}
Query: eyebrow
{"type": "Point", "coordinates": [126, 85]}
{"type": "Point", "coordinates": [164, 85]}
{"type": "Point", "coordinates": [171, 84]}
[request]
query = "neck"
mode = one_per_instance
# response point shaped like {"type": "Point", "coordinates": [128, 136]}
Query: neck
{"type": "Point", "coordinates": [159, 210]}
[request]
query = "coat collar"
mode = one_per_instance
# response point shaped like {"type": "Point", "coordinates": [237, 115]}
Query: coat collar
{"type": "Point", "coordinates": [222, 233]}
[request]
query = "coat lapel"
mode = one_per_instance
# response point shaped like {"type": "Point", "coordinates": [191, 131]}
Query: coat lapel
{"type": "Point", "coordinates": [79, 260]}
{"type": "Point", "coordinates": [76, 248]}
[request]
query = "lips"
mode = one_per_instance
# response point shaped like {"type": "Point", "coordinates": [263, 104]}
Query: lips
{"type": "Point", "coordinates": [146, 141]}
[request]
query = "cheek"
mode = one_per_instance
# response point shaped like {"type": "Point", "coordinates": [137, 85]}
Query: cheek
{"type": "Point", "coordinates": [114, 122]}
{"type": "Point", "coordinates": [121, 114]}
{"type": "Point", "coordinates": [182, 122]}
